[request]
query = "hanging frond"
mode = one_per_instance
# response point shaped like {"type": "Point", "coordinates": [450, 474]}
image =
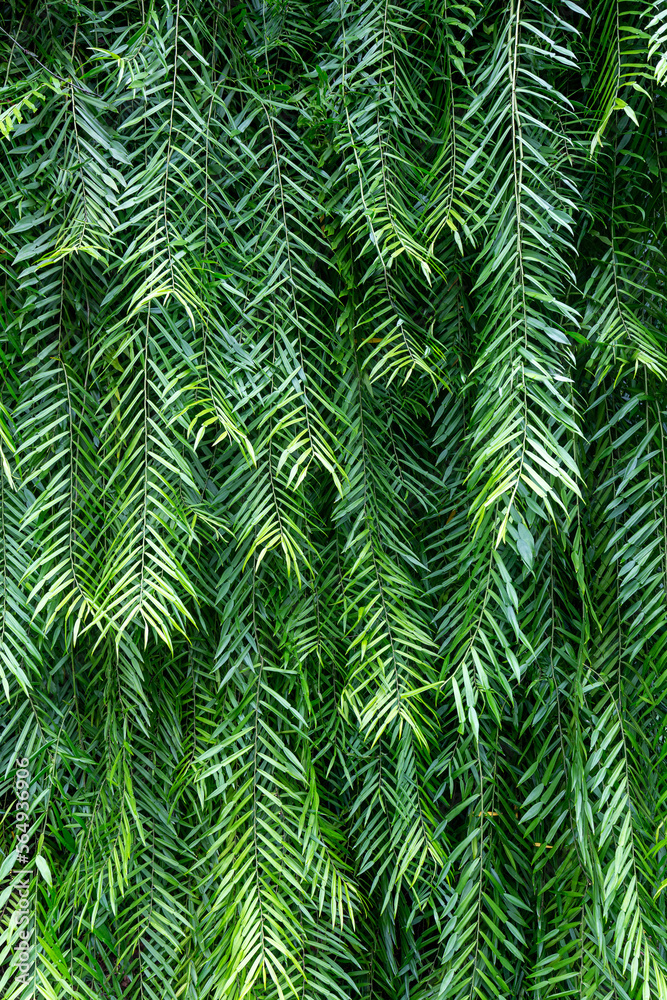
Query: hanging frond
{"type": "Point", "coordinates": [333, 517]}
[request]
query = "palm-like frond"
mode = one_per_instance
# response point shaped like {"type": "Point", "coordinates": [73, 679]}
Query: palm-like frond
{"type": "Point", "coordinates": [333, 541]}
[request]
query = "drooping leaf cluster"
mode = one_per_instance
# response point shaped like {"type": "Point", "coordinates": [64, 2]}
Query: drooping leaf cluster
{"type": "Point", "coordinates": [333, 499]}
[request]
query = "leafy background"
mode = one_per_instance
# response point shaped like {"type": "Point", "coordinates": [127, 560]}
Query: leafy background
{"type": "Point", "coordinates": [333, 502]}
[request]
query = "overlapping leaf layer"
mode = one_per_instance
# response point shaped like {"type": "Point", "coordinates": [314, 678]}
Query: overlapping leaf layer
{"type": "Point", "coordinates": [333, 499]}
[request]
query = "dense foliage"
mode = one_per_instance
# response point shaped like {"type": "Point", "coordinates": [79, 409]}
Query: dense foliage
{"type": "Point", "coordinates": [333, 500]}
